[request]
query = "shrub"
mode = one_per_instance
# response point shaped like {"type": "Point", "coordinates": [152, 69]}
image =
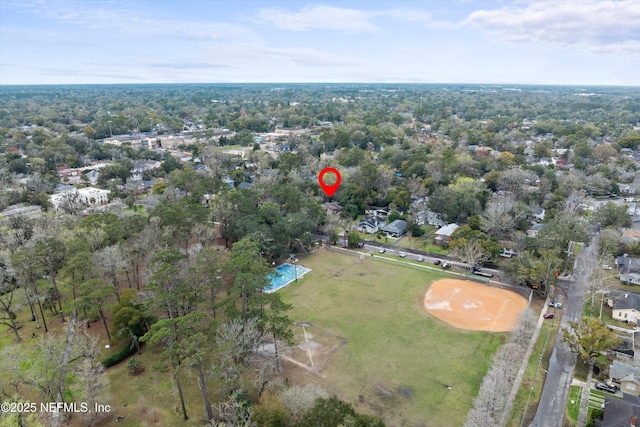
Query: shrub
{"type": "Point", "coordinates": [118, 357]}
{"type": "Point", "coordinates": [135, 366]}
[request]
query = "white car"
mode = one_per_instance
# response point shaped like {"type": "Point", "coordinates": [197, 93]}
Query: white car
{"type": "Point", "coordinates": [402, 254]}
{"type": "Point", "coordinates": [382, 250]}
{"type": "Point", "coordinates": [607, 267]}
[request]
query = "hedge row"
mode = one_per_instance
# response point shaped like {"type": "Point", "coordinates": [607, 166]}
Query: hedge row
{"type": "Point", "coordinates": [118, 357]}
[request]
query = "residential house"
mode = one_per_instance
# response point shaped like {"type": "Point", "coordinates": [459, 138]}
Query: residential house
{"type": "Point", "coordinates": [443, 235]}
{"type": "Point", "coordinates": [427, 216]}
{"type": "Point", "coordinates": [395, 229]}
{"type": "Point", "coordinates": [380, 212]}
{"type": "Point", "coordinates": [539, 214]}
{"type": "Point", "coordinates": [93, 196]}
{"type": "Point", "coordinates": [619, 413]}
{"type": "Point", "coordinates": [619, 370]}
{"type": "Point", "coordinates": [534, 230]}
{"type": "Point", "coordinates": [92, 176]}
{"type": "Point", "coordinates": [633, 278]}
{"type": "Point", "coordinates": [630, 385]}
{"type": "Point", "coordinates": [627, 264]}
{"type": "Point", "coordinates": [625, 306]}
{"type": "Point", "coordinates": [333, 208]}
{"type": "Point", "coordinates": [22, 210]}
{"type": "Point", "coordinates": [370, 224]}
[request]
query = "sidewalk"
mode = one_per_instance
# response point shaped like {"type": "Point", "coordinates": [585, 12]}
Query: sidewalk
{"type": "Point", "coordinates": [523, 367]}
{"type": "Point", "coordinates": [584, 403]}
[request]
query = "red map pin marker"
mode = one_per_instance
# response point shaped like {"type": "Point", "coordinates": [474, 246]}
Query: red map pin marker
{"type": "Point", "coordinates": [329, 190]}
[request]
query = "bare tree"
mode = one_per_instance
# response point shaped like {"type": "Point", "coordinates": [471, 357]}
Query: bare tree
{"type": "Point", "coordinates": [500, 217]}
{"type": "Point", "coordinates": [110, 262]}
{"type": "Point", "coordinates": [70, 202]}
{"type": "Point", "coordinates": [93, 385]}
{"type": "Point", "coordinates": [299, 400]}
{"type": "Point", "coordinates": [470, 252]}
{"type": "Point", "coordinates": [489, 406]}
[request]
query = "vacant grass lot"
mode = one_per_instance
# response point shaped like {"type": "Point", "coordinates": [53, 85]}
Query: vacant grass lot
{"type": "Point", "coordinates": [398, 360]}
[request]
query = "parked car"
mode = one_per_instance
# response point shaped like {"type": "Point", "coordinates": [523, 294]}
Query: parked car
{"type": "Point", "coordinates": [607, 267]}
{"type": "Point", "coordinates": [445, 265]}
{"type": "Point", "coordinates": [402, 254]}
{"type": "Point", "coordinates": [437, 262]}
{"type": "Point", "coordinates": [555, 304]}
{"type": "Point", "coordinates": [548, 316]}
{"type": "Point", "coordinates": [606, 387]}
{"type": "Point", "coordinates": [420, 259]}
{"type": "Point", "coordinates": [382, 250]}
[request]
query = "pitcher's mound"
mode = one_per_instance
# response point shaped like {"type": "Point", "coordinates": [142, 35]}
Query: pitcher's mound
{"type": "Point", "coordinates": [470, 305]}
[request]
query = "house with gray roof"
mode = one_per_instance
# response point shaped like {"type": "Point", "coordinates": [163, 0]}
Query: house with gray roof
{"type": "Point", "coordinates": [625, 306]}
{"type": "Point", "coordinates": [443, 234]}
{"type": "Point", "coordinates": [370, 224]}
{"type": "Point", "coordinates": [628, 264]}
{"type": "Point", "coordinates": [619, 413]}
{"type": "Point", "coordinates": [619, 370]}
{"type": "Point", "coordinates": [395, 229]}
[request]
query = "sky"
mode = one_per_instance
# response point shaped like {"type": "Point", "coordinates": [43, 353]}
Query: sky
{"type": "Point", "coordinates": [236, 41]}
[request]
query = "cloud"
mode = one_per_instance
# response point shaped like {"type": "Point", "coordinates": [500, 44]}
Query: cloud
{"type": "Point", "coordinates": [184, 65]}
{"type": "Point", "coordinates": [597, 26]}
{"type": "Point", "coordinates": [344, 19]}
{"type": "Point", "coordinates": [318, 18]}
{"type": "Point", "coordinates": [122, 18]}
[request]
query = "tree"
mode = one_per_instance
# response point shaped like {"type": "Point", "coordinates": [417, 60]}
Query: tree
{"type": "Point", "coordinates": [276, 322]}
{"type": "Point", "coordinates": [611, 215]}
{"type": "Point", "coordinates": [470, 252]}
{"type": "Point", "coordinates": [500, 217]}
{"type": "Point", "coordinates": [70, 202]}
{"type": "Point", "coordinates": [27, 271]}
{"type": "Point", "coordinates": [93, 297]}
{"type": "Point", "coordinates": [334, 412]}
{"type": "Point", "coordinates": [130, 316]}
{"type": "Point", "coordinates": [92, 384]}
{"type": "Point", "coordinates": [588, 338]}
{"type": "Point", "coordinates": [186, 343]}
{"type": "Point", "coordinates": [8, 310]}
{"type": "Point", "coordinates": [248, 270]}
{"type": "Point", "coordinates": [110, 262]}
{"type": "Point", "coordinates": [169, 284]}
{"type": "Point", "coordinates": [536, 269]}
{"type": "Point", "coordinates": [51, 253]}
{"type": "Point", "coordinates": [208, 271]}
{"type": "Point", "coordinates": [354, 240]}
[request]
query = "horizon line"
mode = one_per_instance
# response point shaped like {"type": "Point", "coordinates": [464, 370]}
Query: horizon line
{"type": "Point", "coordinates": [630, 85]}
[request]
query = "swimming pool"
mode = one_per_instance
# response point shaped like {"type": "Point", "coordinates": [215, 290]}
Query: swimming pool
{"type": "Point", "coordinates": [283, 275]}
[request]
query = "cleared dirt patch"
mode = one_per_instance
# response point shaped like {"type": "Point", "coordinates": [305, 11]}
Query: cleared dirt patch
{"type": "Point", "coordinates": [473, 306]}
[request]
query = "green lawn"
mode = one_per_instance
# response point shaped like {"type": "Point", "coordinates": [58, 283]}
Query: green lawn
{"type": "Point", "coordinates": [573, 403]}
{"type": "Point", "coordinates": [392, 344]}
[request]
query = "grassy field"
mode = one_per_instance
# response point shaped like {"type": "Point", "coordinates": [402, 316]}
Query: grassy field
{"type": "Point", "coordinates": [397, 361]}
{"type": "Point", "coordinates": [423, 243]}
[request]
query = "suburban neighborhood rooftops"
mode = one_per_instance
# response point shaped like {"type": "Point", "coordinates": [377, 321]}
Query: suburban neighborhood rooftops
{"type": "Point", "coordinates": [447, 230]}
{"type": "Point", "coordinates": [619, 370]}
{"type": "Point", "coordinates": [626, 300]}
{"type": "Point", "coordinates": [398, 226]}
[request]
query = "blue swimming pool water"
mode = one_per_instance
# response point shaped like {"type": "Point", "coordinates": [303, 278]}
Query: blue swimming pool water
{"type": "Point", "coordinates": [283, 275]}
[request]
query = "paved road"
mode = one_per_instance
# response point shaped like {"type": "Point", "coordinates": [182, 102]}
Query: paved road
{"type": "Point", "coordinates": [553, 400]}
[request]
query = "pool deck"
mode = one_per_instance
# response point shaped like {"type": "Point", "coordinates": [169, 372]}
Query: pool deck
{"type": "Point", "coordinates": [301, 271]}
